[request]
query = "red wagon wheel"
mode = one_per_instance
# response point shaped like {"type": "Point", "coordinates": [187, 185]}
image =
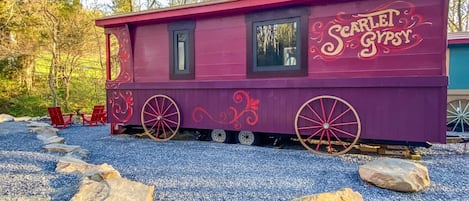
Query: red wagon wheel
{"type": "Point", "coordinates": [160, 117]}
{"type": "Point", "coordinates": [327, 125]}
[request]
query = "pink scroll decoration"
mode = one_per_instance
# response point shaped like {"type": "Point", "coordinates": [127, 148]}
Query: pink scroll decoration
{"type": "Point", "coordinates": [232, 116]}
{"type": "Point", "coordinates": [324, 45]}
{"type": "Point", "coordinates": [125, 56]}
{"type": "Point", "coordinates": [121, 103]}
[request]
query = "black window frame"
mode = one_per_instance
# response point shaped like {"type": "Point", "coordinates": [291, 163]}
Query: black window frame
{"type": "Point", "coordinates": [285, 15]}
{"type": "Point", "coordinates": [175, 28]}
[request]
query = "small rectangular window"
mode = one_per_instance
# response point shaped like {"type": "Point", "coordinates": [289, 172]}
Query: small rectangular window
{"type": "Point", "coordinates": [181, 50]}
{"type": "Point", "coordinates": [277, 42]}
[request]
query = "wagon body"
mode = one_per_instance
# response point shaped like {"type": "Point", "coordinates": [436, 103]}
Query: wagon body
{"type": "Point", "coordinates": [385, 58]}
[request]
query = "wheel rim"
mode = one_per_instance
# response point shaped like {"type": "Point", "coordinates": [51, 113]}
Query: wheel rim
{"type": "Point", "coordinates": [457, 115]}
{"type": "Point", "coordinates": [246, 137]}
{"type": "Point", "coordinates": [327, 125]}
{"type": "Point", "coordinates": [218, 135]}
{"type": "Point", "coordinates": [160, 118]}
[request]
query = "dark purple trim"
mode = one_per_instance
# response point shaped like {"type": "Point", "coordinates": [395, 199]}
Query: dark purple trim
{"type": "Point", "coordinates": [276, 14]}
{"type": "Point", "coordinates": [403, 82]}
{"type": "Point", "coordinates": [188, 26]}
{"type": "Point", "coordinates": [458, 41]}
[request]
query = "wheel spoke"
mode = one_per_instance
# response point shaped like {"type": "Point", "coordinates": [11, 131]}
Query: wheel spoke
{"type": "Point", "coordinates": [150, 120]}
{"type": "Point", "coordinates": [164, 132]}
{"type": "Point", "coordinates": [462, 126]}
{"type": "Point", "coordinates": [157, 106]}
{"type": "Point", "coordinates": [332, 111]}
{"type": "Point", "coordinates": [149, 105]}
{"type": "Point", "coordinates": [453, 107]}
{"type": "Point", "coordinates": [309, 127]}
{"type": "Point", "coordinates": [323, 110]}
{"type": "Point", "coordinates": [338, 139]}
{"type": "Point", "coordinates": [456, 125]}
{"type": "Point", "coordinates": [452, 112]}
{"type": "Point", "coordinates": [154, 124]}
{"type": "Point", "coordinates": [314, 134]}
{"type": "Point", "coordinates": [151, 114]}
{"type": "Point", "coordinates": [329, 141]}
{"type": "Point", "coordinates": [315, 113]}
{"type": "Point", "coordinates": [344, 132]}
{"type": "Point", "coordinates": [168, 115]}
{"type": "Point", "coordinates": [452, 121]}
{"type": "Point", "coordinates": [169, 127]}
{"type": "Point", "coordinates": [320, 140]}
{"type": "Point", "coordinates": [345, 123]}
{"type": "Point", "coordinates": [171, 121]}
{"type": "Point", "coordinates": [465, 108]}
{"type": "Point", "coordinates": [162, 106]}
{"type": "Point", "coordinates": [342, 114]}
{"type": "Point", "coordinates": [312, 120]}
{"type": "Point", "coordinates": [169, 106]}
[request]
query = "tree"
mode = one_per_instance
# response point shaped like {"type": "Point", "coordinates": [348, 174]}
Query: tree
{"type": "Point", "coordinates": [458, 18]}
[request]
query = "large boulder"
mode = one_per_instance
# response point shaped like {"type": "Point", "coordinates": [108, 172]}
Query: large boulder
{"type": "Point", "coordinates": [6, 118]}
{"type": "Point", "coordinates": [345, 194]}
{"type": "Point", "coordinates": [113, 189]}
{"type": "Point", "coordinates": [395, 174]}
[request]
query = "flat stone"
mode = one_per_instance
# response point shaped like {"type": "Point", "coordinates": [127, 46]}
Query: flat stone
{"type": "Point", "coordinates": [62, 148]}
{"type": "Point", "coordinates": [45, 137]}
{"type": "Point", "coordinates": [44, 130]}
{"type": "Point", "coordinates": [396, 174]}
{"type": "Point", "coordinates": [78, 154]}
{"type": "Point", "coordinates": [345, 194]}
{"type": "Point", "coordinates": [23, 118]}
{"type": "Point", "coordinates": [54, 140]}
{"type": "Point", "coordinates": [113, 189]}
{"type": "Point", "coordinates": [72, 165]}
{"type": "Point", "coordinates": [101, 172]}
{"type": "Point", "coordinates": [38, 124]}
{"type": "Point", "coordinates": [6, 118]}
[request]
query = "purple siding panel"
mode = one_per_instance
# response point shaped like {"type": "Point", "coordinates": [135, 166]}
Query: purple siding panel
{"type": "Point", "coordinates": [388, 111]}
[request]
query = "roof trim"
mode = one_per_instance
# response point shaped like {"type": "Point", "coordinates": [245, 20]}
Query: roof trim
{"type": "Point", "coordinates": [458, 38]}
{"type": "Point", "coordinates": [196, 10]}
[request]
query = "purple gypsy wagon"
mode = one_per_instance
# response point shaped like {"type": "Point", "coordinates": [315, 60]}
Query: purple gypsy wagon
{"type": "Point", "coordinates": [332, 72]}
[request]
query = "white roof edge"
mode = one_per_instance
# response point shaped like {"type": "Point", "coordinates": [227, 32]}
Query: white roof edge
{"type": "Point", "coordinates": [458, 35]}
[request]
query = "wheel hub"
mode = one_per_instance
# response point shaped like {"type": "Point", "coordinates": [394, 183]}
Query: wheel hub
{"type": "Point", "coordinates": [326, 126]}
{"type": "Point", "coordinates": [159, 118]}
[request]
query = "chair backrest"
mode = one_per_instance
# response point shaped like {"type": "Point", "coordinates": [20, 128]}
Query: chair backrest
{"type": "Point", "coordinates": [98, 112]}
{"type": "Point", "coordinates": [55, 114]}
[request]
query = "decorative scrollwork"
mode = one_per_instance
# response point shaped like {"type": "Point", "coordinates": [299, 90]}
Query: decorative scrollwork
{"type": "Point", "coordinates": [121, 105]}
{"type": "Point", "coordinates": [233, 115]}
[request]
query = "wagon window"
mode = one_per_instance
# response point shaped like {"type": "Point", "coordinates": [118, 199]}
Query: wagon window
{"type": "Point", "coordinates": [181, 36]}
{"type": "Point", "coordinates": [277, 43]}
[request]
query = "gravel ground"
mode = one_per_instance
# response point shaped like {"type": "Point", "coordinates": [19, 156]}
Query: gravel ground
{"type": "Point", "coordinates": [195, 170]}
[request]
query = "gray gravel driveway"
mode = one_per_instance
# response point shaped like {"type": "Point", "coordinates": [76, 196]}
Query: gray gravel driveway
{"type": "Point", "coordinates": [198, 170]}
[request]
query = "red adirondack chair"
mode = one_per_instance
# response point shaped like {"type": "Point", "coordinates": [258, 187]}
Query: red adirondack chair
{"type": "Point", "coordinates": [58, 119]}
{"type": "Point", "coordinates": [98, 116]}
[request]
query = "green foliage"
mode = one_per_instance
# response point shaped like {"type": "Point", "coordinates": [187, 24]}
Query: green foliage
{"type": "Point", "coordinates": [25, 105]}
